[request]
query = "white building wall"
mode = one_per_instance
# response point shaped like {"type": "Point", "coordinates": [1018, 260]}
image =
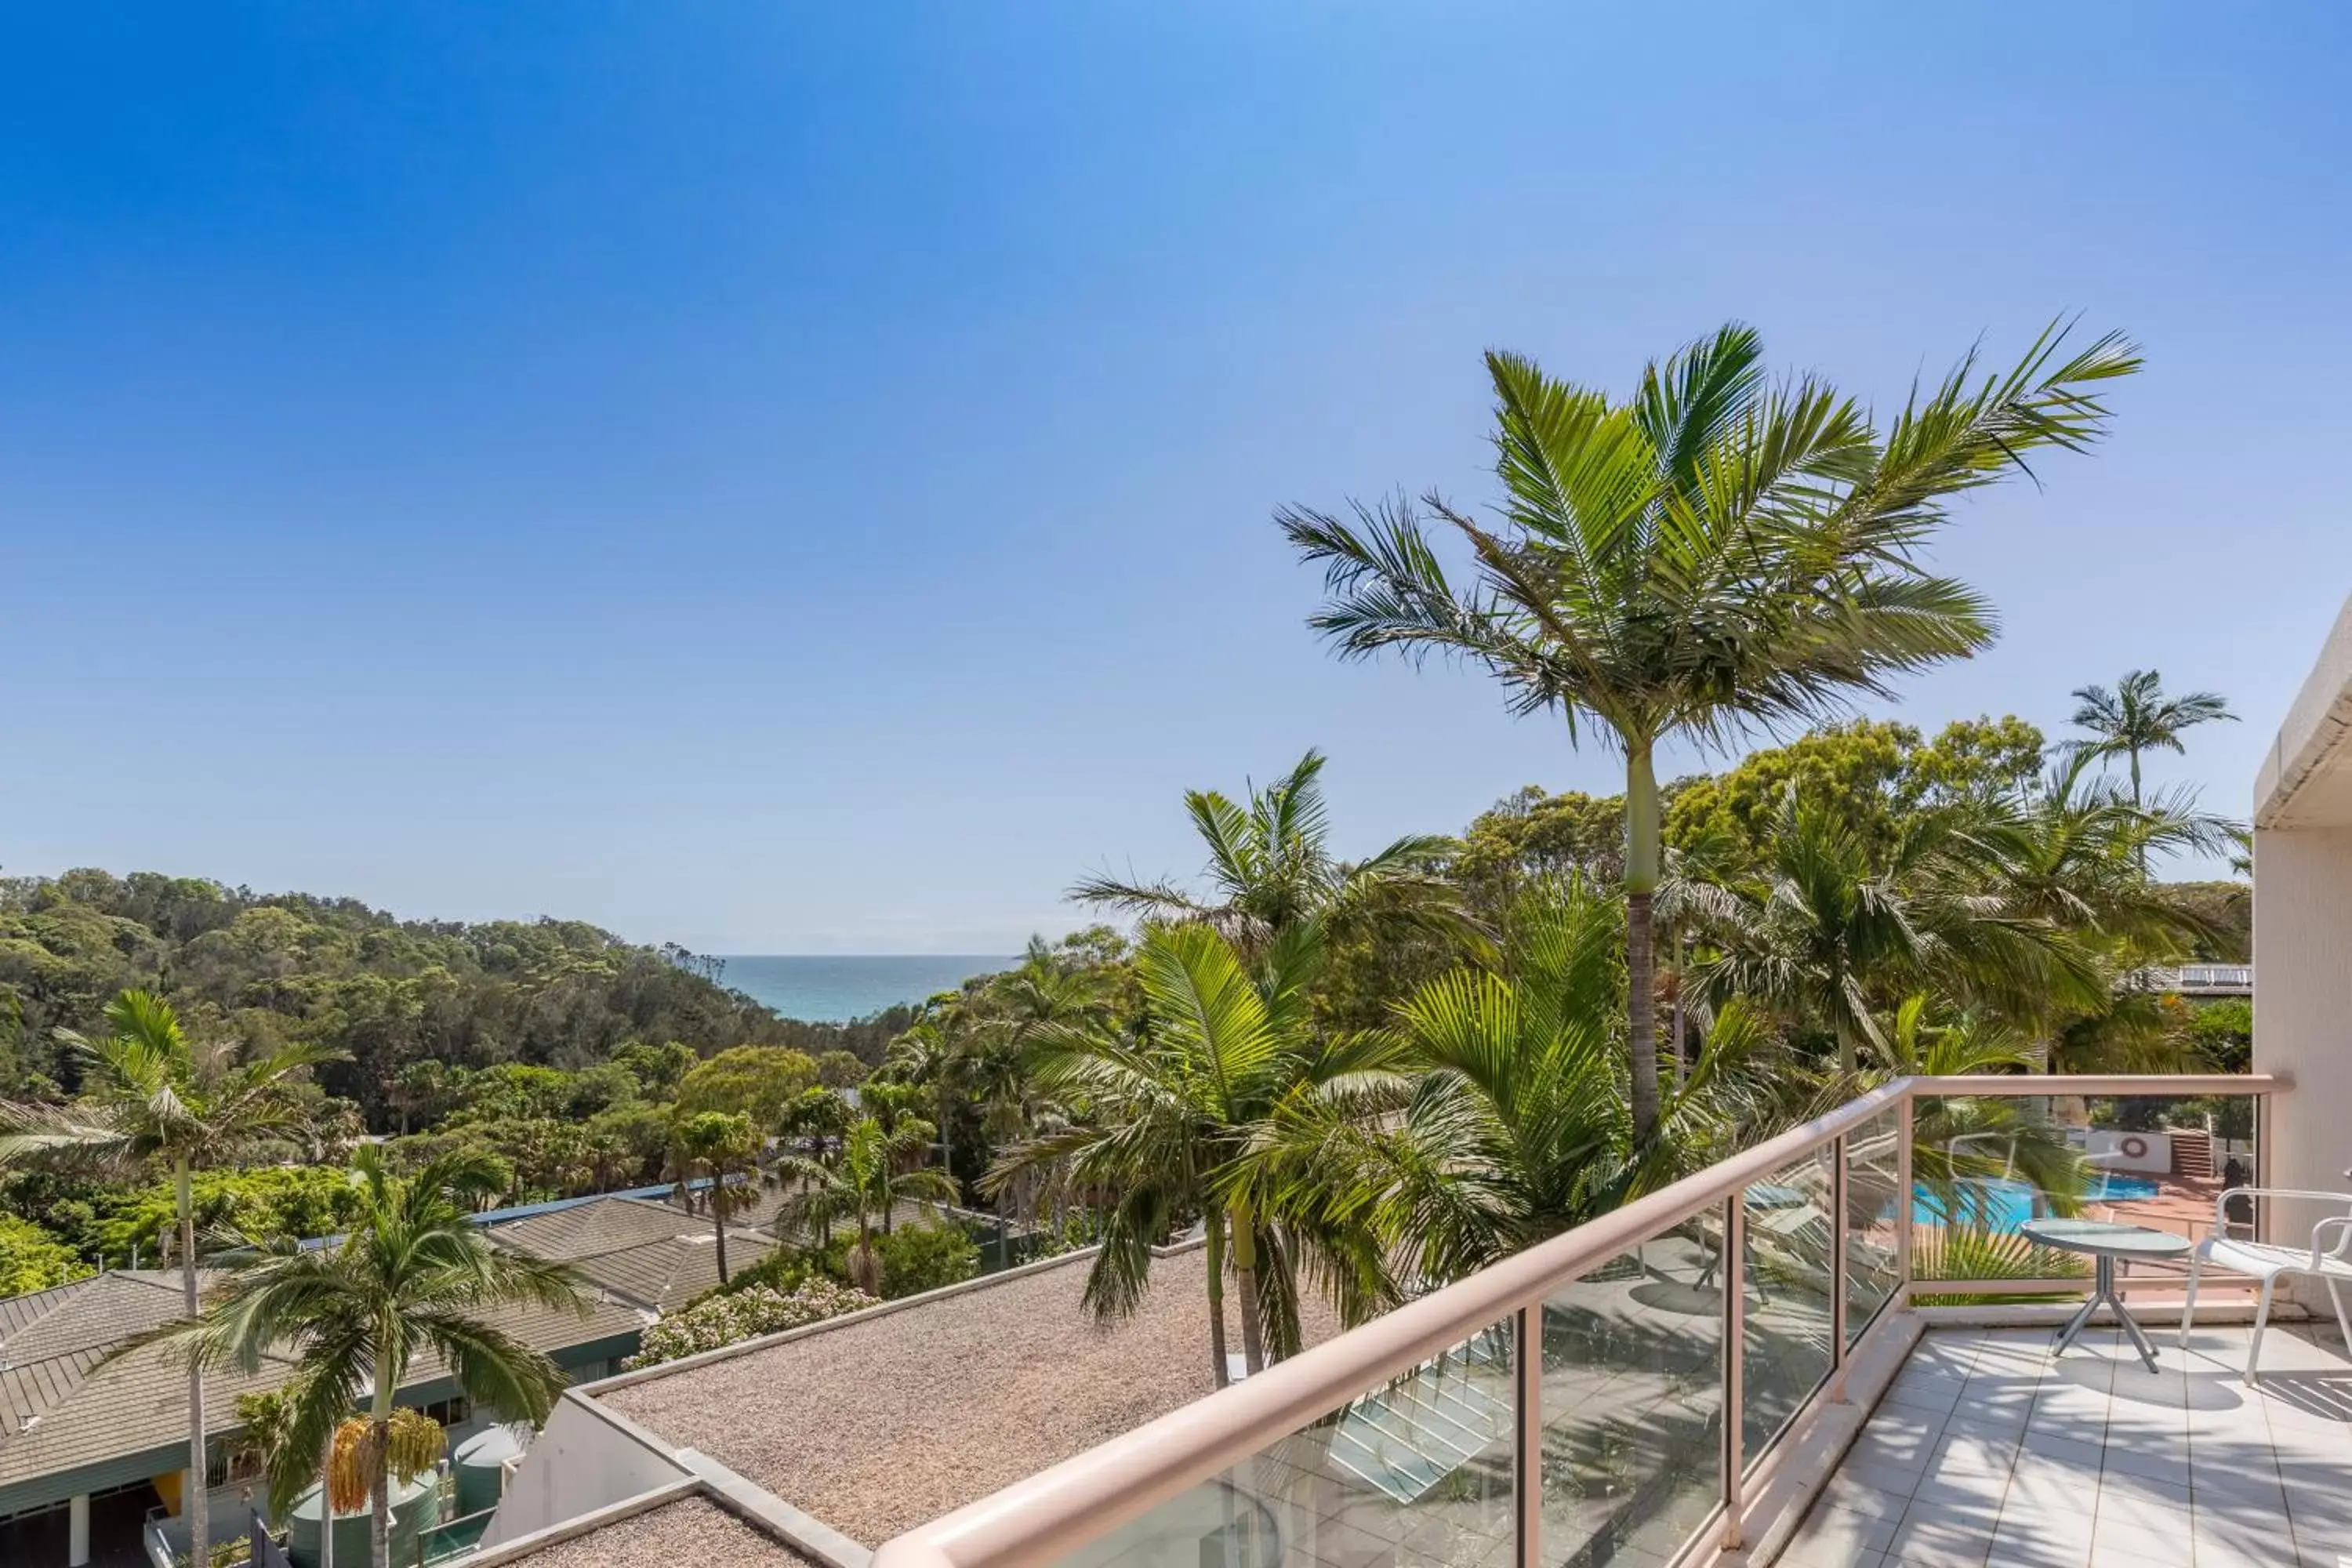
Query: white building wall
{"type": "Point", "coordinates": [580, 1463]}
{"type": "Point", "coordinates": [2303, 1004]}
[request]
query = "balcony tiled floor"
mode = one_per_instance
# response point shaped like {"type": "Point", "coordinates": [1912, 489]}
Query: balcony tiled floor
{"type": "Point", "coordinates": [1987, 1452]}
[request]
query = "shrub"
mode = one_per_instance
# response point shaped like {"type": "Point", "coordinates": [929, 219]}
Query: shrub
{"type": "Point", "coordinates": [729, 1320]}
{"type": "Point", "coordinates": [33, 1259]}
{"type": "Point", "coordinates": [784, 1271]}
{"type": "Point", "coordinates": [914, 1259]}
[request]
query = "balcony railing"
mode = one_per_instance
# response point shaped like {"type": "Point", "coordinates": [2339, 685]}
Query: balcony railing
{"type": "Point", "coordinates": [1611, 1394]}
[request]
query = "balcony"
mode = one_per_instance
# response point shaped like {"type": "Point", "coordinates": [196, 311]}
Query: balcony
{"type": "Point", "coordinates": [1986, 1450]}
{"type": "Point", "coordinates": [1835, 1343]}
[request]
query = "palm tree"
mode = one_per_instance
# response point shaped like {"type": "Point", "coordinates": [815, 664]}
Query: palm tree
{"type": "Point", "coordinates": [939, 1049]}
{"type": "Point", "coordinates": [152, 1099]}
{"type": "Point", "coordinates": [1715, 555]}
{"type": "Point", "coordinates": [1271, 866]}
{"type": "Point", "coordinates": [2136, 717]}
{"type": "Point", "coordinates": [863, 1187]}
{"type": "Point", "coordinates": [1228, 1052]}
{"type": "Point", "coordinates": [411, 1277]}
{"type": "Point", "coordinates": [1827, 934]}
{"type": "Point", "coordinates": [714, 1145]}
{"type": "Point", "coordinates": [1515, 1125]}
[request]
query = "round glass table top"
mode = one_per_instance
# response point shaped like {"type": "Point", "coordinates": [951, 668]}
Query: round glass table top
{"type": "Point", "coordinates": [2098, 1236]}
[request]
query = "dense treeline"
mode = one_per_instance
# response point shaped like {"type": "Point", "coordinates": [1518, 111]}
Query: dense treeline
{"type": "Point", "coordinates": [385, 993]}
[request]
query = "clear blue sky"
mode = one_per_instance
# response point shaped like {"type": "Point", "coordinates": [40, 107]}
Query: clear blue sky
{"type": "Point", "coordinates": [785, 477]}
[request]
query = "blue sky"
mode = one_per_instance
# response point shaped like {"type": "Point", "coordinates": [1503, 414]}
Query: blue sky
{"type": "Point", "coordinates": [786, 478]}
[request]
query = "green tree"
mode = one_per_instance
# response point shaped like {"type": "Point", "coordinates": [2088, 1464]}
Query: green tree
{"type": "Point", "coordinates": [1513, 1124]}
{"type": "Point", "coordinates": [1231, 1048]}
{"type": "Point", "coordinates": [864, 1186]}
{"type": "Point", "coordinates": [412, 1278]}
{"type": "Point", "coordinates": [152, 1099]}
{"type": "Point", "coordinates": [658, 1069]}
{"type": "Point", "coordinates": [711, 1147]}
{"type": "Point", "coordinates": [33, 1259]}
{"type": "Point", "coordinates": [2138, 717]}
{"type": "Point", "coordinates": [1271, 868]}
{"type": "Point", "coordinates": [757, 1082]}
{"type": "Point", "coordinates": [1829, 933]}
{"type": "Point", "coordinates": [1715, 554]}
{"type": "Point", "coordinates": [840, 1070]}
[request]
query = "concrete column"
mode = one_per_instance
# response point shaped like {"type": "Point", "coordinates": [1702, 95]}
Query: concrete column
{"type": "Point", "coordinates": [78, 1531]}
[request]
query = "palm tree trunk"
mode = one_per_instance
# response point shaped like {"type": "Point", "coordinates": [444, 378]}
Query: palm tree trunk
{"type": "Point", "coordinates": [197, 1505]}
{"type": "Point", "coordinates": [1216, 1227]}
{"type": "Point", "coordinates": [327, 1503]}
{"type": "Point", "coordinates": [1682, 987]}
{"type": "Point", "coordinates": [1246, 1286]}
{"type": "Point", "coordinates": [1641, 960]}
{"type": "Point", "coordinates": [380, 1466]}
{"type": "Point", "coordinates": [718, 1220]}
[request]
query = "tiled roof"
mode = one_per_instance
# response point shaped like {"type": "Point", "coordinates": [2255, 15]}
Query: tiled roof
{"type": "Point", "coordinates": [90, 1312]}
{"type": "Point", "coordinates": [63, 1405]}
{"type": "Point", "coordinates": [137, 1402]}
{"type": "Point", "coordinates": [652, 1254]}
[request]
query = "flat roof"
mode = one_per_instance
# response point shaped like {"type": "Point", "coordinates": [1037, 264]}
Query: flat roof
{"type": "Point", "coordinates": [2306, 774]}
{"type": "Point", "coordinates": [891, 1419]}
{"type": "Point", "coordinates": [678, 1534]}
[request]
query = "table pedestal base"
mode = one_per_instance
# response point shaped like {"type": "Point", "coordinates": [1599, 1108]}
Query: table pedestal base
{"type": "Point", "coordinates": [2102, 1291]}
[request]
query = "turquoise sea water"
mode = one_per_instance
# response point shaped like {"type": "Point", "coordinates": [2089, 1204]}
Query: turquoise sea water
{"type": "Point", "coordinates": [829, 988]}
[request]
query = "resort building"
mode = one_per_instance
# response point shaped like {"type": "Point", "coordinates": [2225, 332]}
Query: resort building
{"type": "Point", "coordinates": [94, 1443]}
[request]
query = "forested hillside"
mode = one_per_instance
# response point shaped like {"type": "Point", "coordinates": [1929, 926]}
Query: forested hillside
{"type": "Point", "coordinates": [389, 994]}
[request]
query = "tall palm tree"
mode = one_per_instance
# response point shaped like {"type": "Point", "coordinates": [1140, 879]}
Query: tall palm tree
{"type": "Point", "coordinates": [1271, 867]}
{"type": "Point", "coordinates": [712, 1146]}
{"type": "Point", "coordinates": [2136, 717]}
{"type": "Point", "coordinates": [1715, 554]}
{"type": "Point", "coordinates": [864, 1186]}
{"type": "Point", "coordinates": [411, 1277]}
{"type": "Point", "coordinates": [1515, 1123]}
{"type": "Point", "coordinates": [939, 1048]}
{"type": "Point", "coordinates": [150, 1100]}
{"type": "Point", "coordinates": [1229, 1051]}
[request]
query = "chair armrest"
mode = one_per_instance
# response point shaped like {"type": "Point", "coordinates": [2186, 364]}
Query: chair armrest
{"type": "Point", "coordinates": [2344, 1220]}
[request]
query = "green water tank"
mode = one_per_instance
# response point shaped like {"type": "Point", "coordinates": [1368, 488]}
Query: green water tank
{"type": "Point", "coordinates": [479, 1463]}
{"type": "Point", "coordinates": [414, 1507]}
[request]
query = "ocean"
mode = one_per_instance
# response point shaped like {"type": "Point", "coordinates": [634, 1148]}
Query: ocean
{"type": "Point", "coordinates": [831, 988]}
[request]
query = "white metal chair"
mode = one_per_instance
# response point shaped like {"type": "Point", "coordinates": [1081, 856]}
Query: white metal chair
{"type": "Point", "coordinates": [2266, 1261]}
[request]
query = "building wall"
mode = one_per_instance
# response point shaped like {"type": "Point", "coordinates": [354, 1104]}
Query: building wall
{"type": "Point", "coordinates": [578, 1463]}
{"type": "Point", "coordinates": [2302, 1007]}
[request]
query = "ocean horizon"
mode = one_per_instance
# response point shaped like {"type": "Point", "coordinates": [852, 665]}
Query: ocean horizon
{"type": "Point", "coordinates": [832, 988]}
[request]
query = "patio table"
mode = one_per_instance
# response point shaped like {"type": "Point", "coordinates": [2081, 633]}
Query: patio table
{"type": "Point", "coordinates": [2105, 1242]}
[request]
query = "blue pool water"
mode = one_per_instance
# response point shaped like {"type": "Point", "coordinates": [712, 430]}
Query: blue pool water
{"type": "Point", "coordinates": [2007, 1204]}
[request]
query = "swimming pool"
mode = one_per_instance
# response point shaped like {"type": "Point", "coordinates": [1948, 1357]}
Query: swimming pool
{"type": "Point", "coordinates": [2006, 1204]}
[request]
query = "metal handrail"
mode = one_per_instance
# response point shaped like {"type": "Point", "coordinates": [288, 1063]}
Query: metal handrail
{"type": "Point", "coordinates": [1048, 1514]}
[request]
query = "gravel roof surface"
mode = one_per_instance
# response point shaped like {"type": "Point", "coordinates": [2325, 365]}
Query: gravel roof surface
{"type": "Point", "coordinates": [879, 1427]}
{"type": "Point", "coordinates": [681, 1535]}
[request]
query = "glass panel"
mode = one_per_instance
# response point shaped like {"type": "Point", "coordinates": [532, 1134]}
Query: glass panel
{"type": "Point", "coordinates": [1790, 1243]}
{"type": "Point", "coordinates": [1418, 1472]}
{"type": "Point", "coordinates": [1990, 1165]}
{"type": "Point", "coordinates": [1632, 1403]}
{"type": "Point", "coordinates": [1872, 1171]}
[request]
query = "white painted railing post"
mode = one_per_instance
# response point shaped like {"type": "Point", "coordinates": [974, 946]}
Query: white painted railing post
{"type": "Point", "coordinates": [1840, 1287]}
{"type": "Point", "coordinates": [1526, 1347]}
{"type": "Point", "coordinates": [1735, 1362]}
{"type": "Point", "coordinates": [1906, 1216]}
